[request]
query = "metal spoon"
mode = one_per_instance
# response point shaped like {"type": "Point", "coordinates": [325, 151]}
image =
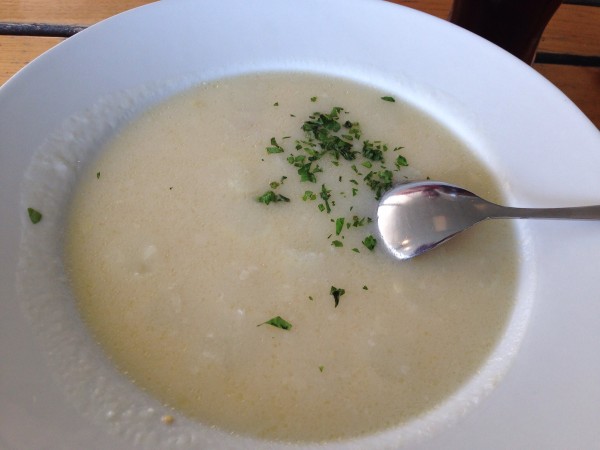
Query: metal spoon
{"type": "Point", "coordinates": [416, 217]}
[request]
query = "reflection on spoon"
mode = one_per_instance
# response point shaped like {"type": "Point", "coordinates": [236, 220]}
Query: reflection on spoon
{"type": "Point", "coordinates": [416, 217]}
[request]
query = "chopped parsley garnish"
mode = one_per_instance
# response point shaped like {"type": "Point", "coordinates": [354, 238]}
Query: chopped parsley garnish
{"type": "Point", "coordinates": [332, 141]}
{"type": "Point", "coordinates": [325, 194]}
{"type": "Point", "coordinates": [336, 293]}
{"type": "Point", "coordinates": [276, 184]}
{"type": "Point", "coordinates": [321, 124]}
{"type": "Point", "coordinates": [276, 104]}
{"type": "Point", "coordinates": [338, 147]}
{"type": "Point", "coordinates": [98, 175]}
{"type": "Point", "coordinates": [379, 182]}
{"type": "Point", "coordinates": [34, 215]}
{"type": "Point", "coordinates": [401, 161]}
{"type": "Point", "coordinates": [271, 196]}
{"type": "Point", "coordinates": [373, 150]}
{"type": "Point", "coordinates": [321, 368]}
{"type": "Point", "coordinates": [277, 322]}
{"type": "Point", "coordinates": [306, 174]}
{"type": "Point", "coordinates": [359, 221]}
{"type": "Point", "coordinates": [339, 225]}
{"type": "Point", "coordinates": [370, 242]}
{"type": "Point", "coordinates": [309, 195]}
{"type": "Point", "coordinates": [275, 147]}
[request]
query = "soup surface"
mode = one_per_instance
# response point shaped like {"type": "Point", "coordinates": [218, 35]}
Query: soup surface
{"type": "Point", "coordinates": [277, 318]}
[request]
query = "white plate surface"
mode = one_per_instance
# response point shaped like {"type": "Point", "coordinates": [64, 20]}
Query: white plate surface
{"type": "Point", "coordinates": [544, 151]}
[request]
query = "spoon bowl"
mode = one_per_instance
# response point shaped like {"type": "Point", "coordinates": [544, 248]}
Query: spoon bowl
{"type": "Point", "coordinates": [416, 217]}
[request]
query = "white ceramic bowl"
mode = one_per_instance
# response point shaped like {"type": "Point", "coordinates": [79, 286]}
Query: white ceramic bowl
{"type": "Point", "coordinates": [542, 149]}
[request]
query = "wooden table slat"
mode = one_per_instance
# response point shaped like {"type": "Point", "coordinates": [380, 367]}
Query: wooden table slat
{"type": "Point", "coordinates": [573, 30]}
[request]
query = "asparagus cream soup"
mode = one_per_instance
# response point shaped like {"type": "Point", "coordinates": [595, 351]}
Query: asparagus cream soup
{"type": "Point", "coordinates": [223, 253]}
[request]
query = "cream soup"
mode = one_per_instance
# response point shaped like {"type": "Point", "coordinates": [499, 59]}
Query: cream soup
{"type": "Point", "coordinates": [177, 266]}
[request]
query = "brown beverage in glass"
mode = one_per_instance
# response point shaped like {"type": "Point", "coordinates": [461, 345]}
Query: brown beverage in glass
{"type": "Point", "coordinates": [514, 25]}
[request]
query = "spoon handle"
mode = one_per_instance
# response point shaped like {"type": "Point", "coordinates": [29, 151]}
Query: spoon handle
{"type": "Point", "coordinates": [573, 213]}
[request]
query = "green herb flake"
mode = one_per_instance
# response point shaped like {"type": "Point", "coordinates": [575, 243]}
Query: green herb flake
{"type": "Point", "coordinates": [337, 243]}
{"type": "Point", "coordinates": [354, 129]}
{"type": "Point", "coordinates": [300, 160]}
{"type": "Point", "coordinates": [274, 184]}
{"type": "Point", "coordinates": [277, 322]}
{"type": "Point", "coordinates": [34, 215]}
{"type": "Point", "coordinates": [305, 172]}
{"type": "Point", "coordinates": [271, 196]}
{"type": "Point", "coordinates": [387, 98]}
{"type": "Point", "coordinates": [313, 99]}
{"type": "Point", "coordinates": [365, 288]}
{"type": "Point", "coordinates": [276, 104]}
{"type": "Point", "coordinates": [98, 175]}
{"type": "Point", "coordinates": [336, 293]}
{"type": "Point", "coordinates": [358, 221]}
{"type": "Point", "coordinates": [321, 368]}
{"type": "Point", "coordinates": [310, 298]}
{"type": "Point", "coordinates": [325, 194]}
{"type": "Point", "coordinates": [309, 195]}
{"type": "Point", "coordinates": [373, 150]}
{"type": "Point", "coordinates": [355, 250]}
{"type": "Point", "coordinates": [339, 225]}
{"type": "Point", "coordinates": [379, 182]}
{"type": "Point", "coordinates": [370, 242]}
{"type": "Point", "coordinates": [401, 161]}
{"type": "Point", "coordinates": [275, 147]}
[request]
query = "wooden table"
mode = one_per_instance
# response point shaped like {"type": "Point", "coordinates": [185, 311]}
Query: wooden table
{"type": "Point", "coordinates": [568, 55]}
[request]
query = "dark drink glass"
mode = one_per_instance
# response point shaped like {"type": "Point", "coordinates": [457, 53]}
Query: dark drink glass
{"type": "Point", "coordinates": [514, 25]}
